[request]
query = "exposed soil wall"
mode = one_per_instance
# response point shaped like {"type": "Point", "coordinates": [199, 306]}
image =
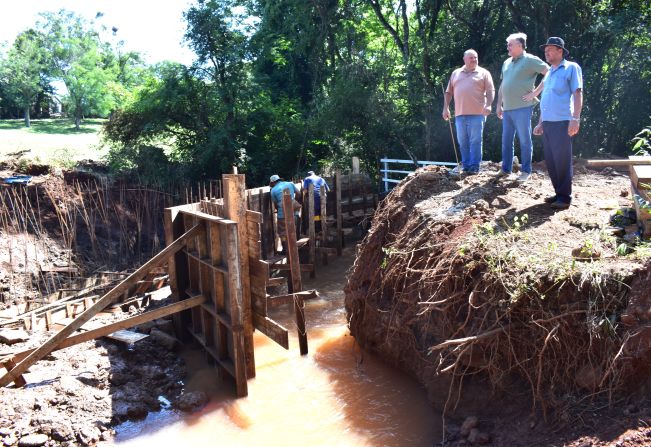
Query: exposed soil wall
{"type": "Point", "coordinates": [65, 226]}
{"type": "Point", "coordinates": [476, 278]}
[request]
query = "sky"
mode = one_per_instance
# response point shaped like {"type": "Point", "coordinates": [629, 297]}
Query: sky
{"type": "Point", "coordinates": [152, 27]}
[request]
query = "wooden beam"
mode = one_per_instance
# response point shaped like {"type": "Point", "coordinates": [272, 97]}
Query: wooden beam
{"type": "Point", "coordinates": [124, 324]}
{"type": "Point", "coordinates": [323, 198]}
{"type": "Point", "coordinates": [340, 233]}
{"type": "Point", "coordinates": [303, 267]}
{"type": "Point", "coordinates": [295, 270]}
{"type": "Point", "coordinates": [177, 266]}
{"type": "Point", "coordinates": [279, 300]}
{"type": "Point", "coordinates": [271, 329]}
{"type": "Point", "coordinates": [311, 229]}
{"type": "Point", "coordinates": [235, 209]}
{"type": "Point", "coordinates": [236, 309]}
{"type": "Point", "coordinates": [637, 160]}
{"type": "Point", "coordinates": [57, 338]}
{"type": "Point", "coordinates": [10, 364]}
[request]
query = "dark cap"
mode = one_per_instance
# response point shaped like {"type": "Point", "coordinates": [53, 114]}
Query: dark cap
{"type": "Point", "coordinates": [557, 42]}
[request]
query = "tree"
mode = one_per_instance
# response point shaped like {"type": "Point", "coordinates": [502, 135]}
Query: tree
{"type": "Point", "coordinates": [23, 73]}
{"type": "Point", "coordinates": [301, 82]}
{"type": "Point", "coordinates": [81, 61]}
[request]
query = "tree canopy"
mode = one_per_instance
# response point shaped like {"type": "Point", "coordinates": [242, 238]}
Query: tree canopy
{"type": "Point", "coordinates": [282, 85]}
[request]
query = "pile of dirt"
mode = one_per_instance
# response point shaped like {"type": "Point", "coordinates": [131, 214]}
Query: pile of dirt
{"type": "Point", "coordinates": [477, 287]}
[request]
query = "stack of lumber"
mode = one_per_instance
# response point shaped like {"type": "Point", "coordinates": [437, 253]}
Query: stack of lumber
{"type": "Point", "coordinates": [641, 192]}
{"type": "Point", "coordinates": [639, 168]}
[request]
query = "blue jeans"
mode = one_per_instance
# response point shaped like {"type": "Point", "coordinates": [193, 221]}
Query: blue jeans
{"type": "Point", "coordinates": [517, 120]}
{"type": "Point", "coordinates": [470, 129]}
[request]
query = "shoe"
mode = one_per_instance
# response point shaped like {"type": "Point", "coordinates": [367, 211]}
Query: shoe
{"type": "Point", "coordinates": [550, 199]}
{"type": "Point", "coordinates": [524, 176]}
{"type": "Point", "coordinates": [471, 172]}
{"type": "Point", "coordinates": [458, 170]}
{"type": "Point", "coordinates": [501, 173]}
{"type": "Point", "coordinates": [558, 205]}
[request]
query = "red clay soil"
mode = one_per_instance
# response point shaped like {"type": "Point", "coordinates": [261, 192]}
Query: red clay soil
{"type": "Point", "coordinates": [534, 321]}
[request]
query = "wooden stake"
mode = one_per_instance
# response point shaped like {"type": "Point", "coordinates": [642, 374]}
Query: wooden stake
{"type": "Point", "coordinates": [324, 222]}
{"type": "Point", "coordinates": [237, 307]}
{"type": "Point", "coordinates": [340, 231]}
{"type": "Point", "coordinates": [295, 272]}
{"type": "Point", "coordinates": [235, 210]}
{"type": "Point", "coordinates": [311, 229]}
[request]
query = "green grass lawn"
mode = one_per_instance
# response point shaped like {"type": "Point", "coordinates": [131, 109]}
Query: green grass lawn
{"type": "Point", "coordinates": [51, 141]}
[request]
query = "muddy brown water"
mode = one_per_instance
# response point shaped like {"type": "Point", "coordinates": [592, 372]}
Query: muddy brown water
{"type": "Point", "coordinates": [334, 396]}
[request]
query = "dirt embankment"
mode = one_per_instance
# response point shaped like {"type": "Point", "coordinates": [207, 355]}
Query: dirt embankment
{"type": "Point", "coordinates": [487, 295]}
{"type": "Point", "coordinates": [55, 231]}
{"type": "Point", "coordinates": [66, 225]}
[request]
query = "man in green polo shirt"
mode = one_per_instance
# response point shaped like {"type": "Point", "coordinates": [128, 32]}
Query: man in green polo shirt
{"type": "Point", "coordinates": [519, 74]}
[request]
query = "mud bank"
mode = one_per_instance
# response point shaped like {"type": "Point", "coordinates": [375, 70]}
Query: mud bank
{"type": "Point", "coordinates": [484, 293]}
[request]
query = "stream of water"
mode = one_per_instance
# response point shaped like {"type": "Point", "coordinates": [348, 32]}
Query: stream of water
{"type": "Point", "coordinates": [335, 396]}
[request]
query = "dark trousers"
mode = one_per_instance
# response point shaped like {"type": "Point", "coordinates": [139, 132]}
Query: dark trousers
{"type": "Point", "coordinates": [557, 145]}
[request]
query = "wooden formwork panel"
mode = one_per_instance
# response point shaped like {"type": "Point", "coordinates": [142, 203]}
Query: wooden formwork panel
{"type": "Point", "coordinates": [212, 269]}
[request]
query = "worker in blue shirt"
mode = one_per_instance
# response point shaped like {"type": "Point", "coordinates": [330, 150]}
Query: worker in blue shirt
{"type": "Point", "coordinates": [317, 181]}
{"type": "Point", "coordinates": [278, 188]}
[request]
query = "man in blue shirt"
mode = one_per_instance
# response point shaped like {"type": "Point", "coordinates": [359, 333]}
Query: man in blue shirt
{"type": "Point", "coordinates": [560, 114]}
{"type": "Point", "coordinates": [317, 181]}
{"type": "Point", "coordinates": [278, 188]}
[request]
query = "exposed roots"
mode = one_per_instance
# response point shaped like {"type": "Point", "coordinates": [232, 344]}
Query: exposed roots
{"type": "Point", "coordinates": [449, 296]}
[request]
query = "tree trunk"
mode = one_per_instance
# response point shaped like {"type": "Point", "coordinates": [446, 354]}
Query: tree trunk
{"type": "Point", "coordinates": [27, 120]}
{"type": "Point", "coordinates": [77, 121]}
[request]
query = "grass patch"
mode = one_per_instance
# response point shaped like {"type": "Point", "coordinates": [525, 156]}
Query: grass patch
{"type": "Point", "coordinates": [51, 141]}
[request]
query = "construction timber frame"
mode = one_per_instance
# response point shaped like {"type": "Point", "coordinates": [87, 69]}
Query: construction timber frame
{"type": "Point", "coordinates": [221, 259]}
{"type": "Point", "coordinates": [224, 264]}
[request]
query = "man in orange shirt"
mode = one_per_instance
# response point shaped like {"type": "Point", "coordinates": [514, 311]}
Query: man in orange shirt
{"type": "Point", "coordinates": [473, 91]}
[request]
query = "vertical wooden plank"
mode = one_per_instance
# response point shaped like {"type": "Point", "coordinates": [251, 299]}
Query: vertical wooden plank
{"type": "Point", "coordinates": [363, 186]}
{"type": "Point", "coordinates": [340, 232]}
{"type": "Point", "coordinates": [235, 207]}
{"type": "Point", "coordinates": [48, 320]}
{"type": "Point", "coordinates": [218, 290]}
{"type": "Point", "coordinates": [268, 235]}
{"type": "Point", "coordinates": [194, 273]}
{"type": "Point", "coordinates": [206, 289]}
{"type": "Point", "coordinates": [311, 230]}
{"type": "Point", "coordinates": [324, 222]}
{"type": "Point", "coordinates": [177, 268]}
{"type": "Point", "coordinates": [295, 270]}
{"type": "Point", "coordinates": [350, 195]}
{"type": "Point", "coordinates": [236, 304]}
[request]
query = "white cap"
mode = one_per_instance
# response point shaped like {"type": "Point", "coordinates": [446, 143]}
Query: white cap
{"type": "Point", "coordinates": [274, 178]}
{"type": "Point", "coordinates": [310, 172]}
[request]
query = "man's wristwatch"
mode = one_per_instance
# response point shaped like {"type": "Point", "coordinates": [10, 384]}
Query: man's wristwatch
{"type": "Point", "coordinates": [576, 119]}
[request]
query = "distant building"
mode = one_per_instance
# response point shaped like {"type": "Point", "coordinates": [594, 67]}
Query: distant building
{"type": "Point", "coordinates": [55, 107]}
